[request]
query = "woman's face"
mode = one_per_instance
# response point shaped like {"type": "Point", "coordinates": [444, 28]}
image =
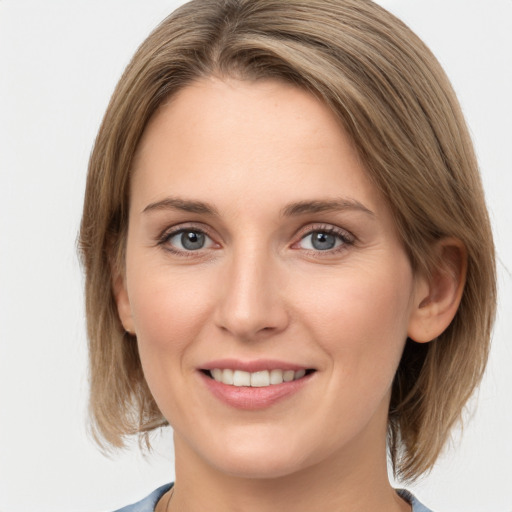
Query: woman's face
{"type": "Point", "coordinates": [259, 252]}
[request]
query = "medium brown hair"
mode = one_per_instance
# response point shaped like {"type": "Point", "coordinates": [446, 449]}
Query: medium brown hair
{"type": "Point", "coordinates": [396, 104]}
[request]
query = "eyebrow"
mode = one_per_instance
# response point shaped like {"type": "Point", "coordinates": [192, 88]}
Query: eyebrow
{"type": "Point", "coordinates": [330, 205]}
{"type": "Point", "coordinates": [290, 210]}
{"type": "Point", "coordinates": [185, 205]}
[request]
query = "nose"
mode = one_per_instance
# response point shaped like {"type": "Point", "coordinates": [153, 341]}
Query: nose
{"type": "Point", "coordinates": [251, 304]}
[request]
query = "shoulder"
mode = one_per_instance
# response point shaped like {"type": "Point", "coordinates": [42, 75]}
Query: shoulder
{"type": "Point", "coordinates": [416, 505]}
{"type": "Point", "coordinates": [148, 503]}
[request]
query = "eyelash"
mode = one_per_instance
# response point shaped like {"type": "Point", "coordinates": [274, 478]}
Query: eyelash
{"type": "Point", "coordinates": [346, 238]}
{"type": "Point", "coordinates": [166, 236]}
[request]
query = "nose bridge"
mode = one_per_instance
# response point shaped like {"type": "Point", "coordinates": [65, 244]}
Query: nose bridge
{"type": "Point", "coordinates": [250, 301]}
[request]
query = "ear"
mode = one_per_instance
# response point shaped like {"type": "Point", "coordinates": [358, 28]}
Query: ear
{"type": "Point", "coordinates": [122, 301]}
{"type": "Point", "coordinates": [437, 296]}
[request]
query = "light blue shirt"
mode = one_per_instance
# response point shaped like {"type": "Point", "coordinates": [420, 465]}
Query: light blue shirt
{"type": "Point", "coordinates": [416, 505]}
{"type": "Point", "coordinates": [148, 504]}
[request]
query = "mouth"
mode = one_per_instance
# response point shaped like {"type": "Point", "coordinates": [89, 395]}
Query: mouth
{"type": "Point", "coordinates": [258, 379]}
{"type": "Point", "coordinates": [256, 384]}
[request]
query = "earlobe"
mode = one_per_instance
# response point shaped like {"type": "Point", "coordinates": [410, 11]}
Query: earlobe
{"type": "Point", "coordinates": [437, 296]}
{"type": "Point", "coordinates": [122, 301]}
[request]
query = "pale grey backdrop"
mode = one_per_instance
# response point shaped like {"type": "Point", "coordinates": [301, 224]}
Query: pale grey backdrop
{"type": "Point", "coordinates": [59, 62]}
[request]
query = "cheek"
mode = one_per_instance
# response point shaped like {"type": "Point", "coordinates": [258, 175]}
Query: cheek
{"type": "Point", "coordinates": [169, 311]}
{"type": "Point", "coordinates": [360, 317]}
{"type": "Point", "coordinates": [168, 308]}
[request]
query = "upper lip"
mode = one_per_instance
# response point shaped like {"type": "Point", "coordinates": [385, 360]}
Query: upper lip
{"type": "Point", "coordinates": [257, 365]}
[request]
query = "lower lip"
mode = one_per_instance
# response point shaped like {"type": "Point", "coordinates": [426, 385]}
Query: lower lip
{"type": "Point", "coordinates": [249, 398]}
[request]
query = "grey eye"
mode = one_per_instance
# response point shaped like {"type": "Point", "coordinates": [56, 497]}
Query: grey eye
{"type": "Point", "coordinates": [321, 241]}
{"type": "Point", "coordinates": [189, 240]}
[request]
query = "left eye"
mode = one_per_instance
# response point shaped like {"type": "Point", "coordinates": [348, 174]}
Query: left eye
{"type": "Point", "coordinates": [190, 240]}
{"type": "Point", "coordinates": [321, 241]}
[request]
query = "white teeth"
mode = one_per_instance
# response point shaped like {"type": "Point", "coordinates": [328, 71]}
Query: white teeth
{"type": "Point", "coordinates": [241, 378]}
{"type": "Point", "coordinates": [299, 374]}
{"type": "Point", "coordinates": [227, 376]}
{"type": "Point", "coordinates": [276, 376]}
{"type": "Point", "coordinates": [256, 379]}
{"type": "Point", "coordinates": [288, 375]}
{"type": "Point", "coordinates": [260, 379]}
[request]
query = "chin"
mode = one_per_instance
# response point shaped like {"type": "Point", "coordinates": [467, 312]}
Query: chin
{"type": "Point", "coordinates": [269, 458]}
{"type": "Point", "coordinates": [260, 467]}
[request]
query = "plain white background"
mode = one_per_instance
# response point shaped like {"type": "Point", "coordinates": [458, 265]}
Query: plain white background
{"type": "Point", "coordinates": [59, 62]}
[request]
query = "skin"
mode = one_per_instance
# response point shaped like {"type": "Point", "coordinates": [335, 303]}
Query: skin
{"type": "Point", "coordinates": [259, 289]}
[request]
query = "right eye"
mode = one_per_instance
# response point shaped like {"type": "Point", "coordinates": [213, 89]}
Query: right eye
{"type": "Point", "coordinates": [322, 241]}
{"type": "Point", "coordinates": [186, 240]}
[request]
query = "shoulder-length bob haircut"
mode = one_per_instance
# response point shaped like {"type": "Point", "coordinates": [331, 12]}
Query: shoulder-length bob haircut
{"type": "Point", "coordinates": [395, 102]}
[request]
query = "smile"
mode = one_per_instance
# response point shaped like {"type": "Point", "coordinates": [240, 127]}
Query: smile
{"type": "Point", "coordinates": [255, 384]}
{"type": "Point", "coordinates": [257, 379]}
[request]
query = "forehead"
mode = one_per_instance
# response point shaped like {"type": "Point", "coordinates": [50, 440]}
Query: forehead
{"type": "Point", "coordinates": [231, 140]}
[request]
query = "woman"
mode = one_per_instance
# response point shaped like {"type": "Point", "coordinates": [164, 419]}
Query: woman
{"type": "Point", "coordinates": [288, 257]}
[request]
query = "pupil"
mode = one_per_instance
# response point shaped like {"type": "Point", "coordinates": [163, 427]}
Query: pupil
{"type": "Point", "coordinates": [192, 240]}
{"type": "Point", "coordinates": [323, 241]}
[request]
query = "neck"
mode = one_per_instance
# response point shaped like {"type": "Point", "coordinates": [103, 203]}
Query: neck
{"type": "Point", "coordinates": [341, 483]}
